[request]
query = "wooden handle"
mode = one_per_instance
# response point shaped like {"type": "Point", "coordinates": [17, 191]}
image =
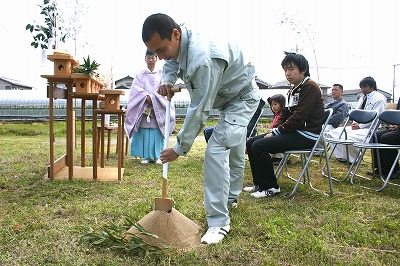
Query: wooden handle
{"type": "Point", "coordinates": [176, 89]}
{"type": "Point", "coordinates": [164, 188]}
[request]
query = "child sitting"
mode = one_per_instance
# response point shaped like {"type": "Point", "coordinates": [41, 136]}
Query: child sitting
{"type": "Point", "coordinates": [276, 103]}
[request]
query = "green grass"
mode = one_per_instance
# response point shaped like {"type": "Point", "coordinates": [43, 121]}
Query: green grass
{"type": "Point", "coordinates": [42, 221]}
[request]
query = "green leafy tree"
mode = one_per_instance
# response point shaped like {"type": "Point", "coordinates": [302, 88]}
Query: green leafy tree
{"type": "Point", "coordinates": [43, 33]}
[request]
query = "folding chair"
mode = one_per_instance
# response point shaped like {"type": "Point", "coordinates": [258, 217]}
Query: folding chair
{"type": "Point", "coordinates": [251, 127]}
{"type": "Point", "coordinates": [391, 117]}
{"type": "Point", "coordinates": [319, 146]}
{"type": "Point", "coordinates": [360, 116]}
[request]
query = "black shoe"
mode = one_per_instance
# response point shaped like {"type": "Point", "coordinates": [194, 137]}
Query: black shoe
{"type": "Point", "coordinates": [340, 160]}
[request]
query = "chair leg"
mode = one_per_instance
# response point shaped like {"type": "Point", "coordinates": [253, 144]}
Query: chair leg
{"type": "Point", "coordinates": [327, 164]}
{"type": "Point", "coordinates": [289, 195]}
{"type": "Point", "coordinates": [329, 179]}
{"type": "Point", "coordinates": [329, 173]}
{"type": "Point", "coordinates": [282, 164]}
{"type": "Point", "coordinates": [352, 172]}
{"type": "Point", "coordinates": [386, 181]}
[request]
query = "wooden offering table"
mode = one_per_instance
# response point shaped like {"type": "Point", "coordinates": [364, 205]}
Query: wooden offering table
{"type": "Point", "coordinates": [86, 88]}
{"type": "Point", "coordinates": [112, 107]}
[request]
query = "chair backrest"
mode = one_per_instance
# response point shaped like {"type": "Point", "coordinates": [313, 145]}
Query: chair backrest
{"type": "Point", "coordinates": [327, 116]}
{"type": "Point", "coordinates": [251, 127]}
{"type": "Point", "coordinates": [363, 116]}
{"type": "Point", "coordinates": [391, 117]}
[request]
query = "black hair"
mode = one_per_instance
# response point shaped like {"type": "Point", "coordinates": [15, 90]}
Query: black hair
{"type": "Point", "coordinates": [148, 52]}
{"type": "Point", "coordinates": [338, 85]}
{"type": "Point", "coordinates": [279, 98]}
{"type": "Point", "coordinates": [161, 24]}
{"type": "Point", "coordinates": [299, 60]}
{"type": "Point", "coordinates": [368, 81]}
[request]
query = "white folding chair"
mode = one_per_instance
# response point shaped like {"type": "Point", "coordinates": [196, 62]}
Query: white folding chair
{"type": "Point", "coordinates": [320, 146]}
{"type": "Point", "coordinates": [362, 117]}
{"type": "Point", "coordinates": [391, 117]}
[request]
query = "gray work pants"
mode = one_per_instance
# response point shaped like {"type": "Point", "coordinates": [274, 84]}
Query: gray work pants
{"type": "Point", "coordinates": [224, 159]}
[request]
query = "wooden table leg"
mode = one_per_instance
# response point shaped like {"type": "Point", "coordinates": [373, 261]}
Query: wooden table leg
{"type": "Point", "coordinates": [122, 138]}
{"type": "Point", "coordinates": [94, 141]}
{"type": "Point", "coordinates": [120, 146]}
{"type": "Point", "coordinates": [108, 142]}
{"type": "Point", "coordinates": [83, 129]}
{"type": "Point", "coordinates": [51, 123]}
{"type": "Point", "coordinates": [102, 161]}
{"type": "Point", "coordinates": [70, 133]}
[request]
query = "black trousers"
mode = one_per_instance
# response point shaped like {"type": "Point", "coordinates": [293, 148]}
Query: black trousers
{"type": "Point", "coordinates": [387, 156]}
{"type": "Point", "coordinates": [259, 150]}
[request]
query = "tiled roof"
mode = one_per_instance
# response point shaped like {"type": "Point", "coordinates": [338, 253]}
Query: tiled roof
{"type": "Point", "coordinates": [15, 82]}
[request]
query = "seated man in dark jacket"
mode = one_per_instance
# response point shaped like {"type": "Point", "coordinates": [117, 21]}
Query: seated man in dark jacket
{"type": "Point", "coordinates": [298, 127]}
{"type": "Point", "coordinates": [339, 106]}
{"type": "Point", "coordinates": [390, 135]}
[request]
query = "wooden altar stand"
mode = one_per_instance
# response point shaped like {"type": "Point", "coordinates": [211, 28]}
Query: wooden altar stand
{"type": "Point", "coordinates": [86, 88]}
{"type": "Point", "coordinates": [112, 107]}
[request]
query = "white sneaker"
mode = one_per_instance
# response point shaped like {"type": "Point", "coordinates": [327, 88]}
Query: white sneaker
{"type": "Point", "coordinates": [215, 234]}
{"type": "Point", "coordinates": [266, 193]}
{"type": "Point", "coordinates": [158, 161]}
{"type": "Point", "coordinates": [145, 161]}
{"type": "Point", "coordinates": [250, 189]}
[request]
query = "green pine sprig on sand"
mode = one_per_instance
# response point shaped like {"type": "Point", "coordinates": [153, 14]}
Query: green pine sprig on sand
{"type": "Point", "coordinates": [116, 237]}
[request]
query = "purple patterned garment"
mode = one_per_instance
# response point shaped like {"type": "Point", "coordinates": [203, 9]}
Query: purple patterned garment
{"type": "Point", "coordinates": [146, 83]}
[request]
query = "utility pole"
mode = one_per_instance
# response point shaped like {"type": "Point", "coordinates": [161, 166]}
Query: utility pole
{"type": "Point", "coordinates": [394, 80]}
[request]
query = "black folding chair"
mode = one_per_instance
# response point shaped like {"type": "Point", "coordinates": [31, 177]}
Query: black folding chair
{"type": "Point", "coordinates": [391, 117]}
{"type": "Point", "coordinates": [251, 127]}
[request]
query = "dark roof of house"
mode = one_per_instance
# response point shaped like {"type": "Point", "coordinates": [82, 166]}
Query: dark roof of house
{"type": "Point", "coordinates": [281, 84]}
{"type": "Point", "coordinates": [15, 82]}
{"type": "Point", "coordinates": [284, 84]}
{"type": "Point", "coordinates": [127, 77]}
{"type": "Point", "coordinates": [123, 87]}
{"type": "Point", "coordinates": [262, 84]}
{"type": "Point", "coordinates": [357, 91]}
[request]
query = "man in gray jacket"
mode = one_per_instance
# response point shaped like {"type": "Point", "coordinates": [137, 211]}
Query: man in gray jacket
{"type": "Point", "coordinates": [339, 106]}
{"type": "Point", "coordinates": [217, 77]}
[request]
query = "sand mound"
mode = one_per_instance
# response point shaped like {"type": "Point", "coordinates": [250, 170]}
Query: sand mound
{"type": "Point", "coordinates": [173, 229]}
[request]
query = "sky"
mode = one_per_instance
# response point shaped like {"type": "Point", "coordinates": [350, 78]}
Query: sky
{"type": "Point", "coordinates": [344, 41]}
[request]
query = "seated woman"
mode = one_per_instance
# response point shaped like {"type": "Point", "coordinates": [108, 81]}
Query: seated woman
{"type": "Point", "coordinates": [300, 124]}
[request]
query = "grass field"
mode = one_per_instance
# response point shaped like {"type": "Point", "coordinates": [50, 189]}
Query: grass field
{"type": "Point", "coordinates": [42, 221]}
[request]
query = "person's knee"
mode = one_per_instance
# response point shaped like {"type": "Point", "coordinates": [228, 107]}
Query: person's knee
{"type": "Point", "coordinates": [259, 146]}
{"type": "Point", "coordinates": [248, 144]}
{"type": "Point", "coordinates": [385, 139]}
